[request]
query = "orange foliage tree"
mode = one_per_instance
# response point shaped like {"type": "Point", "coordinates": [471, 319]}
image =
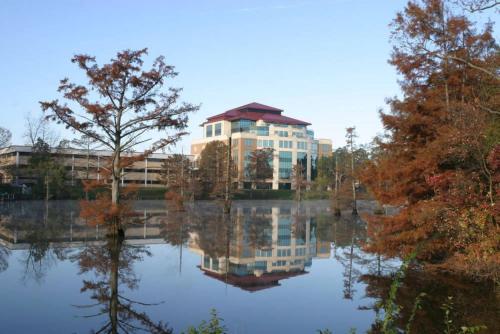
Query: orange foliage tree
{"type": "Point", "coordinates": [439, 157]}
{"type": "Point", "coordinates": [120, 104]}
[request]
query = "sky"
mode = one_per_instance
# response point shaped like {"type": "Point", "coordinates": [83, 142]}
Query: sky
{"type": "Point", "coordinates": [321, 61]}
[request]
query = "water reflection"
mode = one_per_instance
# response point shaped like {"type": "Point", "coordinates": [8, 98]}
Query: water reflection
{"type": "Point", "coordinates": [261, 247]}
{"type": "Point", "coordinates": [255, 248]}
{"type": "Point", "coordinates": [112, 267]}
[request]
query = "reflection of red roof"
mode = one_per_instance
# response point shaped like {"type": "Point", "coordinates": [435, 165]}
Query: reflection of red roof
{"type": "Point", "coordinates": [253, 283]}
{"type": "Point", "coordinates": [254, 112]}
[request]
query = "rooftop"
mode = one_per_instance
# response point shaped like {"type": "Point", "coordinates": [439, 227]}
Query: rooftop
{"type": "Point", "coordinates": [255, 112]}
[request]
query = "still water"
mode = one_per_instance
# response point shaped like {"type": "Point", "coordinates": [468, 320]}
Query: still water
{"type": "Point", "coordinates": [270, 267]}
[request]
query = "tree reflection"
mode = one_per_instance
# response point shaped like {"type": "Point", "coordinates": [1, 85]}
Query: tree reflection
{"type": "Point", "coordinates": [347, 237]}
{"type": "Point", "coordinates": [41, 254]}
{"type": "Point", "coordinates": [4, 258]}
{"type": "Point", "coordinates": [112, 265]}
{"type": "Point", "coordinates": [258, 231]}
{"type": "Point", "coordinates": [213, 233]}
{"type": "Point", "coordinates": [468, 310]}
{"type": "Point", "coordinates": [175, 230]}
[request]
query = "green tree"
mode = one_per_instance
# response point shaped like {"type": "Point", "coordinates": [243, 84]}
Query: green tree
{"type": "Point", "coordinates": [213, 163]}
{"type": "Point", "coordinates": [176, 174]}
{"type": "Point", "coordinates": [50, 174]}
{"type": "Point", "coordinates": [260, 167]}
{"type": "Point", "coordinates": [326, 173]}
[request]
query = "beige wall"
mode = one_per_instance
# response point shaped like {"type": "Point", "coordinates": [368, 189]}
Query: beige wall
{"type": "Point", "coordinates": [144, 172]}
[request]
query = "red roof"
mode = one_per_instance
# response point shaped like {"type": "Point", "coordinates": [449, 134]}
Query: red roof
{"type": "Point", "coordinates": [254, 112]}
{"type": "Point", "coordinates": [253, 283]}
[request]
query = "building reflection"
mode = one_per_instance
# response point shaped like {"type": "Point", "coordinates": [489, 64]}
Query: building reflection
{"type": "Point", "coordinates": [257, 247]}
{"type": "Point", "coordinates": [254, 248]}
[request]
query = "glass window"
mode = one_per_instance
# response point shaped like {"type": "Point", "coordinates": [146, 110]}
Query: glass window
{"type": "Point", "coordinates": [281, 133]}
{"type": "Point", "coordinates": [243, 125]}
{"type": "Point", "coordinates": [215, 264]}
{"type": "Point", "coordinates": [264, 253]}
{"type": "Point", "coordinates": [218, 129]}
{"type": "Point", "coordinates": [262, 131]}
{"type": "Point", "coordinates": [262, 265]}
{"type": "Point", "coordinates": [302, 145]}
{"type": "Point", "coordinates": [286, 144]}
{"type": "Point", "coordinates": [285, 164]}
{"type": "Point", "coordinates": [298, 134]}
{"type": "Point", "coordinates": [265, 143]}
{"type": "Point", "coordinates": [209, 131]}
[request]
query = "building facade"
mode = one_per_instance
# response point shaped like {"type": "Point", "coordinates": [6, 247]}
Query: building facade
{"type": "Point", "coordinates": [80, 165]}
{"type": "Point", "coordinates": [257, 126]}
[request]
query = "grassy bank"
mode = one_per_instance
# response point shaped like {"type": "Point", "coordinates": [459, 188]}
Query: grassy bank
{"type": "Point", "coordinates": [76, 192]}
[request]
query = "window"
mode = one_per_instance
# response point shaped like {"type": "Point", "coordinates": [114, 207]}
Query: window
{"type": "Point", "coordinates": [310, 133]}
{"type": "Point", "coordinates": [284, 252]}
{"type": "Point", "coordinates": [264, 253]}
{"type": "Point", "coordinates": [249, 142]}
{"type": "Point", "coordinates": [246, 162]}
{"type": "Point", "coordinates": [285, 164]}
{"type": "Point", "coordinates": [218, 129]}
{"type": "Point", "coordinates": [286, 144]}
{"type": "Point", "coordinates": [280, 263]}
{"type": "Point", "coordinates": [243, 125]}
{"type": "Point", "coordinates": [298, 134]}
{"type": "Point", "coordinates": [262, 131]}
{"type": "Point", "coordinates": [208, 131]}
{"type": "Point", "coordinates": [300, 252]}
{"type": "Point", "coordinates": [265, 143]}
{"type": "Point", "coordinates": [278, 125]}
{"type": "Point", "coordinates": [281, 133]}
{"type": "Point", "coordinates": [262, 265]}
{"type": "Point", "coordinates": [302, 158]}
{"type": "Point", "coordinates": [302, 145]}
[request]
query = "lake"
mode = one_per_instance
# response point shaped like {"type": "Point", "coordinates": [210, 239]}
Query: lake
{"type": "Point", "coordinates": [269, 267]}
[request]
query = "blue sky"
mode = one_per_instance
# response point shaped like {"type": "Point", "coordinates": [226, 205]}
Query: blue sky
{"type": "Point", "coordinates": [323, 61]}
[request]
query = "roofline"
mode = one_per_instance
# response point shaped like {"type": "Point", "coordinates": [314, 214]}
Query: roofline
{"type": "Point", "coordinates": [99, 152]}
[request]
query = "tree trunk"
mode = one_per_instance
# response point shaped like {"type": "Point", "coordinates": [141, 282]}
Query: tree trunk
{"type": "Point", "coordinates": [354, 202]}
{"type": "Point", "coordinates": [115, 181]}
{"type": "Point", "coordinates": [47, 190]}
{"type": "Point", "coordinates": [336, 208]}
{"type": "Point", "coordinates": [227, 199]}
{"type": "Point", "coordinates": [115, 192]}
{"type": "Point", "coordinates": [115, 244]}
